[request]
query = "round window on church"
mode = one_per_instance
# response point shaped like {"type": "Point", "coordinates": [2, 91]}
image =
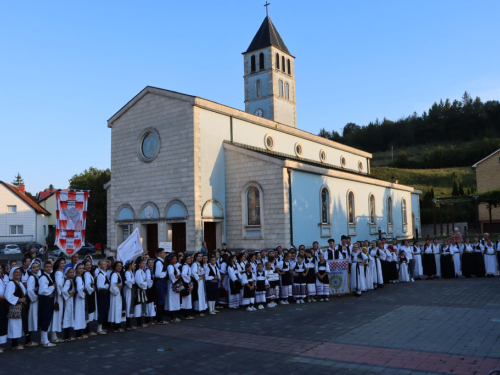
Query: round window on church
{"type": "Point", "coordinates": [343, 161]}
{"type": "Point", "coordinates": [269, 142]}
{"type": "Point", "coordinates": [322, 156]}
{"type": "Point", "coordinates": [360, 166]}
{"type": "Point", "coordinates": [298, 149]}
{"type": "Point", "coordinates": [149, 145]}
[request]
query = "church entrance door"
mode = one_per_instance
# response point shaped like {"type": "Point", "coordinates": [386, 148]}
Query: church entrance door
{"type": "Point", "coordinates": [152, 239]}
{"type": "Point", "coordinates": [210, 236]}
{"type": "Point", "coordinates": [178, 237]}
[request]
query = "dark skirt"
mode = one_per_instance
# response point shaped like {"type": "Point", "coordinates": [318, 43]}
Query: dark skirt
{"type": "Point", "coordinates": [4, 322]}
{"type": "Point", "coordinates": [103, 302]}
{"type": "Point", "coordinates": [151, 294]}
{"type": "Point", "coordinates": [325, 279]}
{"type": "Point", "coordinates": [45, 312]}
{"type": "Point", "coordinates": [194, 293]}
{"type": "Point", "coordinates": [90, 302]}
{"type": "Point", "coordinates": [212, 290]}
{"type": "Point", "coordinates": [311, 276]}
{"type": "Point", "coordinates": [447, 267]}
{"type": "Point", "coordinates": [468, 264]}
{"type": "Point", "coordinates": [480, 269]}
{"type": "Point", "coordinates": [248, 293]}
{"type": "Point", "coordinates": [429, 264]}
{"type": "Point", "coordinates": [261, 286]}
{"type": "Point", "coordinates": [235, 286]}
{"type": "Point", "coordinates": [300, 278]}
{"type": "Point", "coordinates": [391, 271]}
{"type": "Point", "coordinates": [286, 279]}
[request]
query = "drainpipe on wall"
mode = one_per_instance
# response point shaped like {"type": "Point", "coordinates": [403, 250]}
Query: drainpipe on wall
{"type": "Point", "coordinates": [289, 171]}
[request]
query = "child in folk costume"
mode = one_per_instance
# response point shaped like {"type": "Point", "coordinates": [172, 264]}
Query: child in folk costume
{"type": "Point", "coordinates": [128, 294]}
{"type": "Point", "coordinates": [79, 322]}
{"type": "Point", "coordinates": [358, 261]}
{"type": "Point", "coordinates": [150, 293]}
{"type": "Point", "coordinates": [284, 269]}
{"type": "Point", "coordinates": [198, 277]}
{"type": "Point", "coordinates": [46, 296]}
{"type": "Point", "coordinates": [310, 264]}
{"type": "Point", "coordinates": [224, 281]}
{"type": "Point", "coordinates": [59, 300]}
{"type": "Point", "coordinates": [299, 273]}
{"type": "Point", "coordinates": [261, 286]}
{"type": "Point", "coordinates": [32, 287]}
{"type": "Point", "coordinates": [173, 298]}
{"type": "Point", "coordinates": [417, 256]}
{"type": "Point", "coordinates": [140, 300]}
{"type": "Point", "coordinates": [234, 283]}
{"type": "Point", "coordinates": [273, 292]}
{"type": "Point", "coordinates": [15, 294]}
{"type": "Point", "coordinates": [68, 294]}
{"type": "Point", "coordinates": [404, 276]}
{"type": "Point", "coordinates": [490, 260]}
{"type": "Point", "coordinates": [322, 271]}
{"type": "Point", "coordinates": [392, 264]}
{"type": "Point", "coordinates": [248, 282]}
{"type": "Point", "coordinates": [186, 299]}
{"type": "Point", "coordinates": [4, 307]}
{"type": "Point", "coordinates": [103, 297]}
{"type": "Point", "coordinates": [90, 296]}
{"type": "Point", "coordinates": [213, 278]}
{"type": "Point", "coordinates": [115, 316]}
{"type": "Point", "coordinates": [429, 260]}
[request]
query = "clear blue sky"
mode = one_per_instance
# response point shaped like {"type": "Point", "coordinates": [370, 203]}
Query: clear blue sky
{"type": "Point", "coordinates": [67, 66]}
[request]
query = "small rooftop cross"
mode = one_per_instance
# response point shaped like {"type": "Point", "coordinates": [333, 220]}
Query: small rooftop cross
{"type": "Point", "coordinates": [267, 11]}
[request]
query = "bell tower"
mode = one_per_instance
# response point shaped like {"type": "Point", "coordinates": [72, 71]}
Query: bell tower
{"type": "Point", "coordinates": [270, 77]}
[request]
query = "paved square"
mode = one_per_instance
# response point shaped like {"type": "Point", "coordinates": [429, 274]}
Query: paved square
{"type": "Point", "coordinates": [427, 327]}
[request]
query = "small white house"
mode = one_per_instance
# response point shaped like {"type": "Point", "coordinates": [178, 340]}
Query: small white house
{"type": "Point", "coordinates": [22, 220]}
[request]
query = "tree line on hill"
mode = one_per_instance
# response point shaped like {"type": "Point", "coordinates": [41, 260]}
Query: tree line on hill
{"type": "Point", "coordinates": [450, 126]}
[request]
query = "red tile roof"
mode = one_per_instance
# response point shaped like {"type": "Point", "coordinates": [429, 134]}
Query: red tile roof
{"type": "Point", "coordinates": [38, 209]}
{"type": "Point", "coordinates": [44, 194]}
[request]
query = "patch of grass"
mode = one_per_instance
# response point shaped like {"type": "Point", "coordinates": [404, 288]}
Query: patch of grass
{"type": "Point", "coordinates": [425, 179]}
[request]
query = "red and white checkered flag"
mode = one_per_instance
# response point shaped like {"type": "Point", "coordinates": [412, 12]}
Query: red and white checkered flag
{"type": "Point", "coordinates": [71, 218]}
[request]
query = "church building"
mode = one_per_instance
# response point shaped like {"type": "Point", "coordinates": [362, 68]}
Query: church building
{"type": "Point", "coordinates": [186, 169]}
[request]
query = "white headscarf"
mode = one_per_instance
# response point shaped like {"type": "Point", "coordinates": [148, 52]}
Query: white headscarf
{"type": "Point", "coordinates": [11, 273]}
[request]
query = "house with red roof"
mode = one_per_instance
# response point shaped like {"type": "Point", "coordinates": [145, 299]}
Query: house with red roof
{"type": "Point", "coordinates": [22, 219]}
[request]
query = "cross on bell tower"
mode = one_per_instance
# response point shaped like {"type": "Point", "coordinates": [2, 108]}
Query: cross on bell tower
{"type": "Point", "coordinates": [270, 76]}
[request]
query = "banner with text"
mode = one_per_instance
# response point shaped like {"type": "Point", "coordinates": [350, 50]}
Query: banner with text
{"type": "Point", "coordinates": [339, 277]}
{"type": "Point", "coordinates": [71, 217]}
{"type": "Point", "coordinates": [130, 248]}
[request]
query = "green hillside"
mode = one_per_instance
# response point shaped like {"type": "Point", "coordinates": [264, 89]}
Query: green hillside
{"type": "Point", "coordinates": [441, 180]}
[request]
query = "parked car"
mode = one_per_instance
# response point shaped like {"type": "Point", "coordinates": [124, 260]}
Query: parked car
{"type": "Point", "coordinates": [86, 249]}
{"type": "Point", "coordinates": [11, 249]}
{"type": "Point", "coordinates": [57, 253]}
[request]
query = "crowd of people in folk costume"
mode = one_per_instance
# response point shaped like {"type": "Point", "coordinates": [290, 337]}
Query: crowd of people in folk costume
{"type": "Point", "coordinates": [58, 297]}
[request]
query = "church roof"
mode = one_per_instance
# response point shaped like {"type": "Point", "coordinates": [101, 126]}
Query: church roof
{"type": "Point", "coordinates": [267, 36]}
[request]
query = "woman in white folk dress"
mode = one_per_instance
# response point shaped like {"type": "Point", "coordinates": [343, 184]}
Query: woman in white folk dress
{"type": "Point", "coordinates": [377, 254]}
{"type": "Point", "coordinates": [173, 297]}
{"type": "Point", "coordinates": [186, 300]}
{"type": "Point", "coordinates": [68, 294]}
{"type": "Point", "coordinates": [90, 296]}
{"type": "Point", "coordinates": [404, 275]}
{"type": "Point", "coordinates": [490, 260]}
{"type": "Point", "coordinates": [128, 294]}
{"type": "Point", "coordinates": [417, 256]}
{"type": "Point", "coordinates": [15, 294]}
{"type": "Point", "coordinates": [4, 307]}
{"type": "Point", "coordinates": [140, 298]}
{"type": "Point", "coordinates": [150, 292]}
{"type": "Point", "coordinates": [58, 315]}
{"type": "Point", "coordinates": [223, 297]}
{"type": "Point", "coordinates": [368, 270]}
{"type": "Point", "coordinates": [358, 260]}
{"type": "Point", "coordinates": [455, 251]}
{"type": "Point", "coordinates": [79, 323]}
{"type": "Point", "coordinates": [199, 292]}
{"type": "Point", "coordinates": [32, 291]}
{"type": "Point", "coordinates": [115, 315]}
{"type": "Point", "coordinates": [436, 250]}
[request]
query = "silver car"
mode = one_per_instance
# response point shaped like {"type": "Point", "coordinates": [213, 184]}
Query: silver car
{"type": "Point", "coordinates": [11, 249]}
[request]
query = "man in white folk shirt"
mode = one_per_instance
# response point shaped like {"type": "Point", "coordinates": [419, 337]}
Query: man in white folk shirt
{"type": "Point", "coordinates": [344, 248]}
{"type": "Point", "coordinates": [333, 252]}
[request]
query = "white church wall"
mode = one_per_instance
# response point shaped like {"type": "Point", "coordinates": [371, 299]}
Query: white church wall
{"type": "Point", "coordinates": [306, 208]}
{"type": "Point", "coordinates": [285, 112]}
{"type": "Point", "coordinates": [253, 135]}
{"type": "Point", "coordinates": [169, 176]}
{"type": "Point", "coordinates": [415, 210]}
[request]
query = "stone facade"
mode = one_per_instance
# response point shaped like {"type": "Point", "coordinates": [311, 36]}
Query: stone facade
{"type": "Point", "coordinates": [488, 178]}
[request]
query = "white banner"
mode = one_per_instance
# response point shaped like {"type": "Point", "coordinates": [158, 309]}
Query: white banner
{"type": "Point", "coordinates": [338, 276]}
{"type": "Point", "coordinates": [167, 246]}
{"type": "Point", "coordinates": [130, 248]}
{"type": "Point", "coordinates": [71, 217]}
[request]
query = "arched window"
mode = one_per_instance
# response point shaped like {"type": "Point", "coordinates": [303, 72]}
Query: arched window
{"type": "Point", "coordinates": [253, 206]}
{"type": "Point", "coordinates": [389, 210]}
{"type": "Point", "coordinates": [325, 204]}
{"type": "Point", "coordinates": [373, 218]}
{"type": "Point", "coordinates": [287, 91]}
{"type": "Point", "coordinates": [288, 65]}
{"type": "Point", "coordinates": [252, 64]}
{"type": "Point", "coordinates": [261, 61]}
{"type": "Point", "coordinates": [351, 208]}
{"type": "Point", "coordinates": [403, 211]}
{"type": "Point", "coordinates": [280, 83]}
{"type": "Point", "coordinates": [283, 63]}
{"type": "Point", "coordinates": [258, 89]}
{"type": "Point", "coordinates": [277, 61]}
